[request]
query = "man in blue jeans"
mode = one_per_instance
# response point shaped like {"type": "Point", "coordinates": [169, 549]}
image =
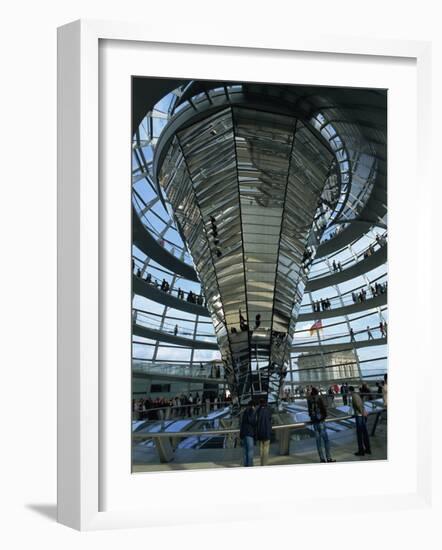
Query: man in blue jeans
{"type": "Point", "coordinates": [317, 411]}
{"type": "Point", "coordinates": [247, 433]}
{"type": "Point", "coordinates": [263, 430]}
{"type": "Point", "coordinates": [360, 415]}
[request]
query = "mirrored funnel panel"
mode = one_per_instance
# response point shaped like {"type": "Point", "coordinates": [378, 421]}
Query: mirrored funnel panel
{"type": "Point", "coordinates": [251, 187]}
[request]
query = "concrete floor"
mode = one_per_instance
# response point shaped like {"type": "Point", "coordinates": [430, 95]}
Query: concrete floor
{"type": "Point", "coordinates": [343, 445]}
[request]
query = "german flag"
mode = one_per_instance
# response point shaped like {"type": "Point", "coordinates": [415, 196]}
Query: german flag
{"type": "Point", "coordinates": [317, 325]}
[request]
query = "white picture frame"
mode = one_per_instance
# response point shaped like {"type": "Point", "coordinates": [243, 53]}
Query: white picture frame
{"type": "Point", "coordinates": [80, 296]}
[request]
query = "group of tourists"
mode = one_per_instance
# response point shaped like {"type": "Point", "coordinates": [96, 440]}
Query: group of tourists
{"type": "Point", "coordinates": [307, 258]}
{"type": "Point", "coordinates": [180, 406]}
{"type": "Point", "coordinates": [164, 285]}
{"type": "Point", "coordinates": [317, 409]}
{"type": "Point", "coordinates": [359, 297]}
{"type": "Point", "coordinates": [243, 324]}
{"type": "Point", "coordinates": [375, 290]}
{"type": "Point", "coordinates": [378, 288]}
{"type": "Point", "coordinates": [192, 298]}
{"type": "Point", "coordinates": [334, 233]}
{"type": "Point", "coordinates": [213, 233]}
{"type": "Point", "coordinates": [336, 266]}
{"type": "Point", "coordinates": [381, 240]}
{"type": "Point", "coordinates": [322, 304]}
{"type": "Point", "coordinates": [318, 405]}
{"type": "Point", "coordinates": [256, 425]}
{"type": "Point", "coordinates": [369, 252]}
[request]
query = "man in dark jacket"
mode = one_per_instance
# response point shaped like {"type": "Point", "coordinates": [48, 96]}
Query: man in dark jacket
{"type": "Point", "coordinates": [317, 411]}
{"type": "Point", "coordinates": [263, 430]}
{"type": "Point", "coordinates": [360, 415]}
{"type": "Point", "coordinates": [247, 433]}
{"type": "Point", "coordinates": [344, 393]}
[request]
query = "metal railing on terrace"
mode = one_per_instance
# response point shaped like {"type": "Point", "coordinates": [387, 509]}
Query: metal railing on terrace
{"type": "Point", "coordinates": [368, 334]}
{"type": "Point", "coordinates": [324, 270]}
{"type": "Point", "coordinates": [347, 299]}
{"type": "Point", "coordinates": [203, 370]}
{"type": "Point", "coordinates": [371, 409]}
{"type": "Point", "coordinates": [153, 321]}
{"type": "Point", "coordinates": [176, 292]}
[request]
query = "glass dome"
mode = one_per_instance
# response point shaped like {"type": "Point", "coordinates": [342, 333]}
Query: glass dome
{"type": "Point", "coordinates": [342, 323]}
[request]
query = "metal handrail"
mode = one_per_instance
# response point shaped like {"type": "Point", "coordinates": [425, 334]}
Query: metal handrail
{"type": "Point", "coordinates": [191, 371]}
{"type": "Point", "coordinates": [156, 283]}
{"type": "Point", "coordinates": [308, 340]}
{"type": "Point", "coordinates": [338, 302]}
{"type": "Point", "coordinates": [224, 404]}
{"type": "Point", "coordinates": [168, 328]}
{"type": "Point", "coordinates": [296, 425]}
{"type": "Point", "coordinates": [201, 404]}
